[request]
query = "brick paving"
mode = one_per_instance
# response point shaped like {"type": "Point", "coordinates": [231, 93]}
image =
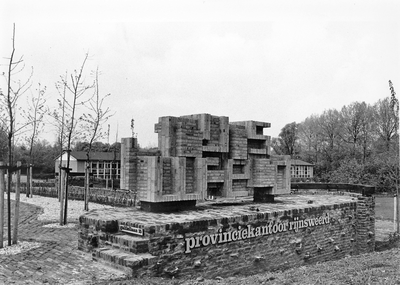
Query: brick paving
{"type": "Point", "coordinates": [56, 261]}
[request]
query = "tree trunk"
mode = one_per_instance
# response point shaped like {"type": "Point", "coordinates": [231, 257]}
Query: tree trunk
{"type": "Point", "coordinates": [87, 181]}
{"type": "Point", "coordinates": [28, 186]}
{"type": "Point", "coordinates": [16, 213]}
{"type": "Point", "coordinates": [66, 185]}
{"type": "Point", "coordinates": [62, 182]}
{"type": "Point", "coordinates": [9, 178]}
{"type": "Point", "coordinates": [30, 181]}
{"type": "Point", "coordinates": [2, 190]}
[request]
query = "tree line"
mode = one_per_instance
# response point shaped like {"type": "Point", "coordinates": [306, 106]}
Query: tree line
{"type": "Point", "coordinates": [357, 144]}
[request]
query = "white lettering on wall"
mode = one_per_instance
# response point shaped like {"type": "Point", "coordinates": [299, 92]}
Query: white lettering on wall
{"type": "Point", "coordinates": [251, 232]}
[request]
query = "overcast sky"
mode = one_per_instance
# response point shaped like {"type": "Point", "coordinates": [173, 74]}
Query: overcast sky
{"type": "Point", "coordinates": [272, 61]}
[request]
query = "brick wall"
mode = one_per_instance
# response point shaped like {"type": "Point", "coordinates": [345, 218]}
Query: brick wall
{"type": "Point", "coordinates": [122, 198]}
{"type": "Point", "coordinates": [349, 232]}
{"type": "Point", "coordinates": [167, 187]}
{"type": "Point", "coordinates": [263, 173]}
{"type": "Point", "coordinates": [129, 153]}
{"type": "Point", "coordinates": [297, 231]}
{"type": "Point", "coordinates": [239, 185]}
{"type": "Point", "coordinates": [366, 224]}
{"type": "Point", "coordinates": [237, 142]}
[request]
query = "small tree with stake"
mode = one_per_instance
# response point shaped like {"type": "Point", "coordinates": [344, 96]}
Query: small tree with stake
{"type": "Point", "coordinates": [92, 128]}
{"type": "Point", "coordinates": [34, 114]}
{"type": "Point", "coordinates": [60, 121]}
{"type": "Point", "coordinates": [76, 88]}
{"type": "Point", "coordinates": [15, 89]}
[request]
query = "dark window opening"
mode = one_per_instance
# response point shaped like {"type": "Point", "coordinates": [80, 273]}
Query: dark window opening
{"type": "Point", "coordinates": [238, 169]}
{"type": "Point", "coordinates": [214, 189]}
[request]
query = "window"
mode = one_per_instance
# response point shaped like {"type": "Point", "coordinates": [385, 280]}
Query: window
{"type": "Point", "coordinates": [259, 130]}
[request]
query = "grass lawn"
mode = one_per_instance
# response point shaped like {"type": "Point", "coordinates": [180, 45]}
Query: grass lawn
{"type": "Point", "coordinates": [384, 208]}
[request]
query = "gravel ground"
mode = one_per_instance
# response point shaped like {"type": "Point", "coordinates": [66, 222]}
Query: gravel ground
{"type": "Point", "coordinates": [51, 207]}
{"type": "Point", "coordinates": [51, 212]}
{"type": "Point", "coordinates": [20, 247]}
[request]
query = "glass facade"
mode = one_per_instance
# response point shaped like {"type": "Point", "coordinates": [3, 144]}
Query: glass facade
{"type": "Point", "coordinates": [302, 171]}
{"type": "Point", "coordinates": [105, 170]}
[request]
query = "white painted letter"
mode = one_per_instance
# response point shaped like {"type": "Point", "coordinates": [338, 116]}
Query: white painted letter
{"type": "Point", "coordinates": [189, 244]}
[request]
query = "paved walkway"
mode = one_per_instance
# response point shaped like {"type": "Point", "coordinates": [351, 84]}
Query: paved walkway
{"type": "Point", "coordinates": [56, 261]}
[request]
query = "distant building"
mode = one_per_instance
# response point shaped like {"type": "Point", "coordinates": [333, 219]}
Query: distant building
{"type": "Point", "coordinates": [102, 164]}
{"type": "Point", "coordinates": [301, 169]}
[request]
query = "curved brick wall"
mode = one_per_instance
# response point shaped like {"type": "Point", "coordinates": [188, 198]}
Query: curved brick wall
{"type": "Point", "coordinates": [244, 239]}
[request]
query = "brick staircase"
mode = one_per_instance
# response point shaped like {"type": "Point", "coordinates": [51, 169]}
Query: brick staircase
{"type": "Point", "coordinates": [124, 251]}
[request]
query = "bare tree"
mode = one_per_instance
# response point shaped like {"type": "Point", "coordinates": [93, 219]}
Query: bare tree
{"type": "Point", "coordinates": [310, 139]}
{"type": "Point", "coordinates": [385, 121]}
{"type": "Point", "coordinates": [353, 119]}
{"type": "Point", "coordinates": [288, 138]}
{"type": "Point", "coordinates": [329, 126]}
{"type": "Point", "coordinates": [93, 121]}
{"type": "Point", "coordinates": [34, 115]}
{"type": "Point", "coordinates": [75, 86]}
{"type": "Point", "coordinates": [367, 134]}
{"type": "Point", "coordinates": [15, 89]}
{"type": "Point", "coordinates": [60, 120]}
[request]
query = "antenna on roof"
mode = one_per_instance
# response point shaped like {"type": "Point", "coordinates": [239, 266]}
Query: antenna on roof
{"type": "Point", "coordinates": [133, 127]}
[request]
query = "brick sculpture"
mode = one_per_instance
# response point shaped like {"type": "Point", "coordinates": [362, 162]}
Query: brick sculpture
{"type": "Point", "coordinates": [204, 156]}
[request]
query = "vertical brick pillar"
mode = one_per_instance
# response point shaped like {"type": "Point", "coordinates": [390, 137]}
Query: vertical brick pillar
{"type": "Point", "coordinates": [365, 224]}
{"type": "Point", "coordinates": [129, 153]}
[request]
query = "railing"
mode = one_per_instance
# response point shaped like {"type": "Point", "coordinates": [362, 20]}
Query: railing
{"type": "Point", "coordinates": [365, 190]}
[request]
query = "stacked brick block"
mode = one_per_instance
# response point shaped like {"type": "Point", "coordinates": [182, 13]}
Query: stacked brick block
{"type": "Point", "coordinates": [204, 155]}
{"type": "Point", "coordinates": [179, 137]}
{"type": "Point", "coordinates": [237, 142]}
{"type": "Point", "coordinates": [129, 153]}
{"type": "Point", "coordinates": [167, 176]}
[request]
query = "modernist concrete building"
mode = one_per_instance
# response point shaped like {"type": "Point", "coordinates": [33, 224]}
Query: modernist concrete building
{"type": "Point", "coordinates": [102, 164]}
{"type": "Point", "coordinates": [204, 156]}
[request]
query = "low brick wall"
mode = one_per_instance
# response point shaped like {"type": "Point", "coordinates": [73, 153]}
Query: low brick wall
{"type": "Point", "coordinates": [246, 239]}
{"type": "Point", "coordinates": [123, 198]}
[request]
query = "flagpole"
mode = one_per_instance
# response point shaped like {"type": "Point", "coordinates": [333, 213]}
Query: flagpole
{"type": "Point", "coordinates": [395, 105]}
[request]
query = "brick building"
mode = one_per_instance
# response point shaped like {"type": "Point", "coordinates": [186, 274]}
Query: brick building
{"type": "Point", "coordinates": [102, 164]}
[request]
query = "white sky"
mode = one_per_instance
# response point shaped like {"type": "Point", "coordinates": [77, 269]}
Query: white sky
{"type": "Point", "coordinates": [272, 61]}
